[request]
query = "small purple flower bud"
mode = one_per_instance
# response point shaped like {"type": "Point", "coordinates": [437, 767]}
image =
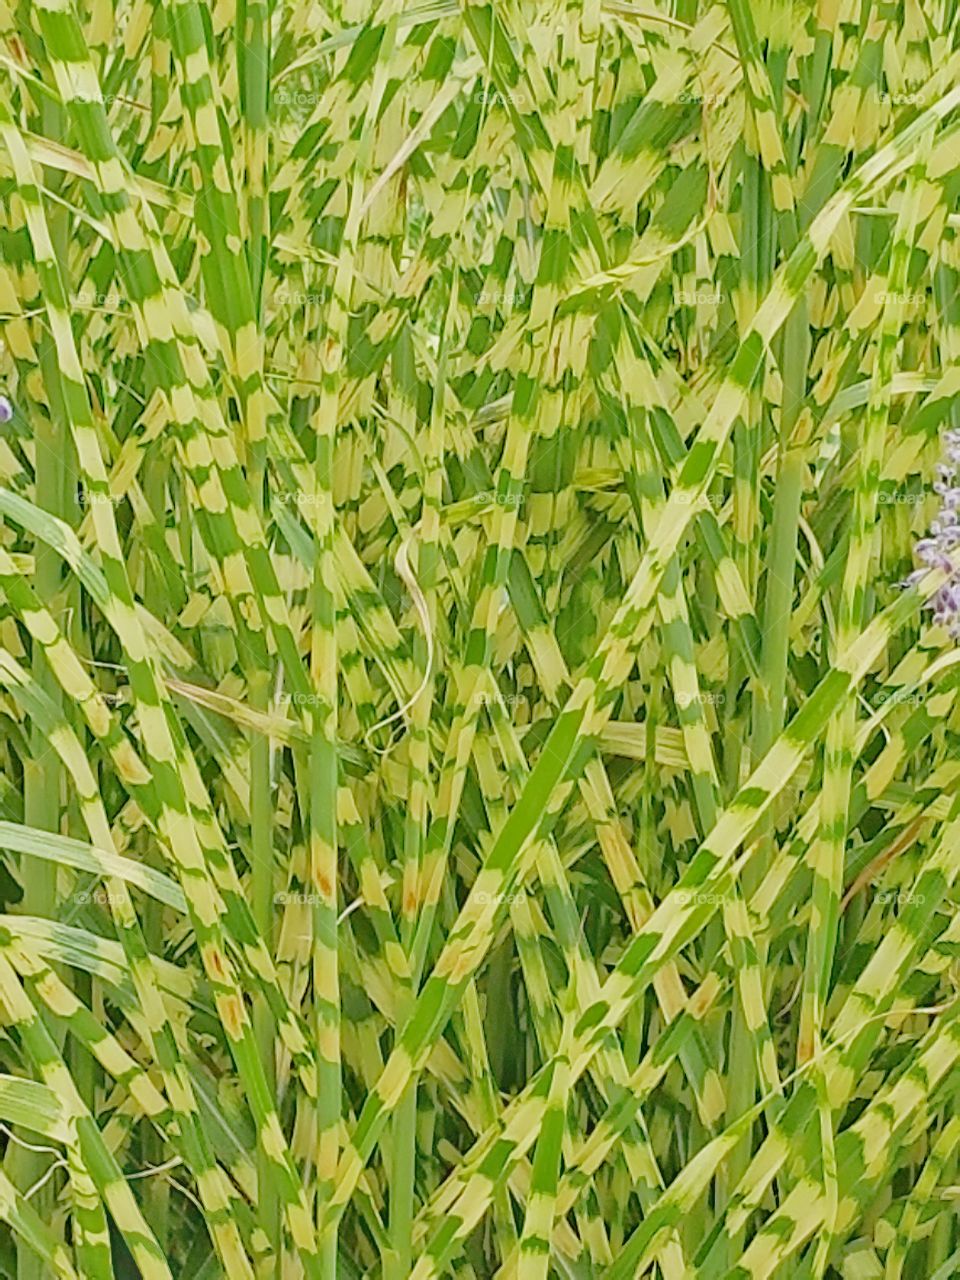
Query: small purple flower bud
{"type": "Point", "coordinates": [934, 550]}
{"type": "Point", "coordinates": [931, 553]}
{"type": "Point", "coordinates": [6, 409]}
{"type": "Point", "coordinates": [943, 528]}
{"type": "Point", "coordinates": [913, 578]}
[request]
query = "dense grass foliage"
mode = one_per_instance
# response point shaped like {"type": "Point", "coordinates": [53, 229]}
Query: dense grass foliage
{"type": "Point", "coordinates": [478, 728]}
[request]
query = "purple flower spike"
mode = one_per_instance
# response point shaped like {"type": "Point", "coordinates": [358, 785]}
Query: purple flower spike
{"type": "Point", "coordinates": [6, 409]}
{"type": "Point", "coordinates": [934, 551]}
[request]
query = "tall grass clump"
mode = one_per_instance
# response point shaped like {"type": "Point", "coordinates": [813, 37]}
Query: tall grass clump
{"type": "Point", "coordinates": [479, 591]}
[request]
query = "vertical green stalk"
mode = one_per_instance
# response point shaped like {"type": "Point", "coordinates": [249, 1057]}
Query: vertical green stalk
{"type": "Point", "coordinates": [770, 701]}
{"type": "Point", "coordinates": [262, 903]}
{"type": "Point", "coordinates": [322, 824]}
{"type": "Point", "coordinates": [42, 773]}
{"type": "Point", "coordinates": [263, 885]}
{"type": "Point", "coordinates": [399, 1261]}
{"type": "Point", "coordinates": [767, 192]}
{"type": "Point", "coordinates": [253, 59]}
{"type": "Point", "coordinates": [757, 229]}
{"type": "Point", "coordinates": [323, 766]}
{"type": "Point", "coordinates": [853, 611]}
{"type": "Point", "coordinates": [157, 1190]}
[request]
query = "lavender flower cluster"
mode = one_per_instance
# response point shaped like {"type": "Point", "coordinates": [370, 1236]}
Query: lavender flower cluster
{"type": "Point", "coordinates": [935, 550]}
{"type": "Point", "coordinates": [6, 409]}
